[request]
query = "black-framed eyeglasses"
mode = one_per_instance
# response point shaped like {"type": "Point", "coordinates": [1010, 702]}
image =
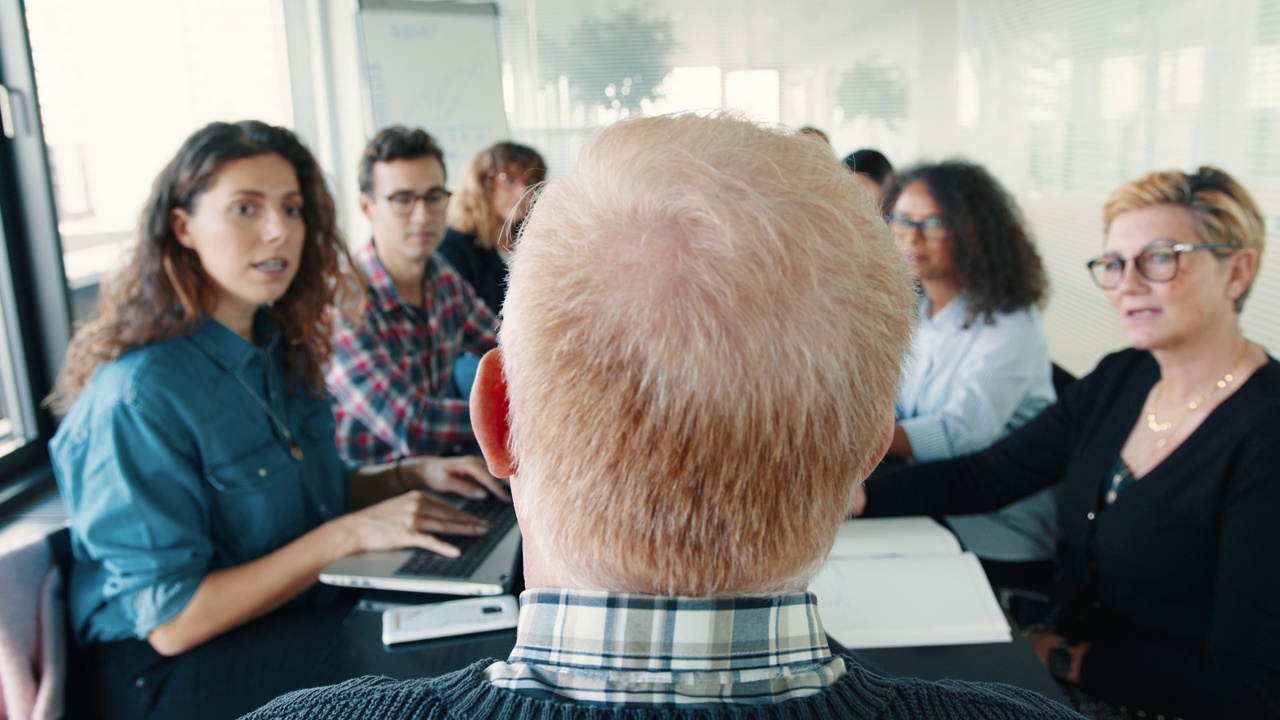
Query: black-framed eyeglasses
{"type": "Point", "coordinates": [436, 200]}
{"type": "Point", "coordinates": [1158, 263]}
{"type": "Point", "coordinates": [933, 229]}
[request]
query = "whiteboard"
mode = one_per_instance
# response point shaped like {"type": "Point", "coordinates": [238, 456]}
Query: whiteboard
{"type": "Point", "coordinates": [434, 65]}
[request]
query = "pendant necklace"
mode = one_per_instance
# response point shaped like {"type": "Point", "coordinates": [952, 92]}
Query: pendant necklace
{"type": "Point", "coordinates": [1156, 426]}
{"type": "Point", "coordinates": [294, 449]}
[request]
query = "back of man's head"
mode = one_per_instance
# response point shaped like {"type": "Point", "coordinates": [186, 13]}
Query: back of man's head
{"type": "Point", "coordinates": [702, 341]}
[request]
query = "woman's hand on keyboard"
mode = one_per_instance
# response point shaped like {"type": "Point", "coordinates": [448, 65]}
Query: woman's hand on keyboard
{"type": "Point", "coordinates": [409, 520]}
{"type": "Point", "coordinates": [466, 476]}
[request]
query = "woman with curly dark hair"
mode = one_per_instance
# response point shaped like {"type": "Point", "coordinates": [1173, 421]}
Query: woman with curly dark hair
{"type": "Point", "coordinates": [197, 455]}
{"type": "Point", "coordinates": [980, 362]}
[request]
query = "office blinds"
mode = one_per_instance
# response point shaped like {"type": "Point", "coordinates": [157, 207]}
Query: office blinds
{"type": "Point", "coordinates": [1061, 99]}
{"type": "Point", "coordinates": [1072, 98]}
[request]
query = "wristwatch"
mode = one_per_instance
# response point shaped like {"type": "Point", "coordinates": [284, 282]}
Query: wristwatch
{"type": "Point", "coordinates": [1061, 661]}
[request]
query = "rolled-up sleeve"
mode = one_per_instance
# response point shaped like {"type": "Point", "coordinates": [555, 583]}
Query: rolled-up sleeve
{"type": "Point", "coordinates": [140, 515]}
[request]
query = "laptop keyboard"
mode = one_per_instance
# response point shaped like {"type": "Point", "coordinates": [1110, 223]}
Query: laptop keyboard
{"type": "Point", "coordinates": [500, 516]}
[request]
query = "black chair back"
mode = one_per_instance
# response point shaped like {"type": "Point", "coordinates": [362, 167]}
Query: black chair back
{"type": "Point", "coordinates": [1061, 379]}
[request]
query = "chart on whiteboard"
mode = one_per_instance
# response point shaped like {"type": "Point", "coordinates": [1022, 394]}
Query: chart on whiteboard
{"type": "Point", "coordinates": [438, 70]}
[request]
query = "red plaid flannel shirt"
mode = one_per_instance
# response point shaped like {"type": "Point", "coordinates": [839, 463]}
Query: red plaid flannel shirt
{"type": "Point", "coordinates": [392, 377]}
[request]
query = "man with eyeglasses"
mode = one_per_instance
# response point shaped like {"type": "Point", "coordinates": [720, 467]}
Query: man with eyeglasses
{"type": "Point", "coordinates": [391, 372]}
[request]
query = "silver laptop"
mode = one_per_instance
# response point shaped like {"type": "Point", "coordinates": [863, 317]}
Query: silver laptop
{"type": "Point", "coordinates": [487, 565]}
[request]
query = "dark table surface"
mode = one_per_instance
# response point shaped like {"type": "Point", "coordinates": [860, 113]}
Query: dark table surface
{"type": "Point", "coordinates": [1012, 662]}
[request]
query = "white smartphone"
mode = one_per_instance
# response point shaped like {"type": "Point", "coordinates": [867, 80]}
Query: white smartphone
{"type": "Point", "coordinates": [452, 617]}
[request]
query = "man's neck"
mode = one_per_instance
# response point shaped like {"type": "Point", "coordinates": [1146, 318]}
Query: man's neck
{"type": "Point", "coordinates": [406, 274]}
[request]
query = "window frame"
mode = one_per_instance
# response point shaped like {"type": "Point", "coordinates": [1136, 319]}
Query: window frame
{"type": "Point", "coordinates": [34, 252]}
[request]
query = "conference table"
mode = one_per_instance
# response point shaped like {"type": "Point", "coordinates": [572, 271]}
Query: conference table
{"type": "Point", "coordinates": [360, 643]}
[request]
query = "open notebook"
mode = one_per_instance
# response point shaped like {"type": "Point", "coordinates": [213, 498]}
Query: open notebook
{"type": "Point", "coordinates": [897, 582]}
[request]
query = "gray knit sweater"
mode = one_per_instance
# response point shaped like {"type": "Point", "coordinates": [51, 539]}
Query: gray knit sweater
{"type": "Point", "coordinates": [465, 694]}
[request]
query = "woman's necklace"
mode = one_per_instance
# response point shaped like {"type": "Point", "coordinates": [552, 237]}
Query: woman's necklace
{"type": "Point", "coordinates": [294, 449]}
{"type": "Point", "coordinates": [1156, 426]}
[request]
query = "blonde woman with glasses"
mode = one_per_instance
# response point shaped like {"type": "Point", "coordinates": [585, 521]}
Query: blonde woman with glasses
{"type": "Point", "coordinates": [1167, 457]}
{"type": "Point", "coordinates": [492, 199]}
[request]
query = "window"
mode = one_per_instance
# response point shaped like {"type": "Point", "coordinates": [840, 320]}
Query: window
{"type": "Point", "coordinates": [15, 406]}
{"type": "Point", "coordinates": [33, 310]}
{"type": "Point", "coordinates": [121, 86]}
{"type": "Point", "coordinates": [575, 65]}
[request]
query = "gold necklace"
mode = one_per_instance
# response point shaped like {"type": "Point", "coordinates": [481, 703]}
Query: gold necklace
{"type": "Point", "coordinates": [1156, 426]}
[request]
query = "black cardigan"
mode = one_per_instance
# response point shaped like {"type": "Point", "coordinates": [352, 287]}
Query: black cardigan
{"type": "Point", "coordinates": [481, 267]}
{"type": "Point", "coordinates": [1176, 584]}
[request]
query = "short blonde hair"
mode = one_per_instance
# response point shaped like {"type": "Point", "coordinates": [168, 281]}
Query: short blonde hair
{"type": "Point", "coordinates": [704, 331]}
{"type": "Point", "coordinates": [1222, 210]}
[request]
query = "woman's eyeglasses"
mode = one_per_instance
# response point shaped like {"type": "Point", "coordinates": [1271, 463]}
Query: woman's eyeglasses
{"type": "Point", "coordinates": [1158, 263]}
{"type": "Point", "coordinates": [933, 229]}
{"type": "Point", "coordinates": [511, 180]}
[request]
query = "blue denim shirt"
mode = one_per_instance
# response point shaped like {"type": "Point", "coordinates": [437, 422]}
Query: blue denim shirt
{"type": "Point", "coordinates": [171, 469]}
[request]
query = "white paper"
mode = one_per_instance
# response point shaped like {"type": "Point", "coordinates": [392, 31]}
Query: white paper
{"type": "Point", "coordinates": [902, 582]}
{"type": "Point", "coordinates": [873, 537]}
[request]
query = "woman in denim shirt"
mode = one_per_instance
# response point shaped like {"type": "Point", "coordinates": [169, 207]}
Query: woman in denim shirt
{"type": "Point", "coordinates": [197, 457]}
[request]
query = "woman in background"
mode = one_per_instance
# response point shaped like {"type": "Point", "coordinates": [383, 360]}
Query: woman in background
{"type": "Point", "coordinates": [873, 172]}
{"type": "Point", "coordinates": [1169, 477]}
{"type": "Point", "coordinates": [197, 455]}
{"type": "Point", "coordinates": [980, 362]}
{"type": "Point", "coordinates": [485, 215]}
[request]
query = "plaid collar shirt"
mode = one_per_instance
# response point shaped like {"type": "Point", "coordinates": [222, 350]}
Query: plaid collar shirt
{"type": "Point", "coordinates": [606, 648]}
{"type": "Point", "coordinates": [392, 375]}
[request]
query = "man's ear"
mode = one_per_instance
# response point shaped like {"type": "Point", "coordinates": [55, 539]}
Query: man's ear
{"type": "Point", "coordinates": [366, 205]}
{"type": "Point", "coordinates": [489, 408]}
{"type": "Point", "coordinates": [880, 451]}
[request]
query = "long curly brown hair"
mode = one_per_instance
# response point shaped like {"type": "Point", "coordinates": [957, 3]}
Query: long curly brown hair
{"type": "Point", "coordinates": [163, 291]}
{"type": "Point", "coordinates": [996, 263]}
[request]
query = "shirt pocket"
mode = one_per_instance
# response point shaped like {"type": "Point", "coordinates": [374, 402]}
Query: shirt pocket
{"type": "Point", "coordinates": [320, 427]}
{"type": "Point", "coordinates": [257, 504]}
{"type": "Point", "coordinates": [253, 471]}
